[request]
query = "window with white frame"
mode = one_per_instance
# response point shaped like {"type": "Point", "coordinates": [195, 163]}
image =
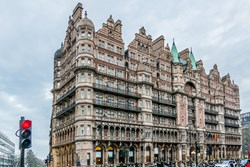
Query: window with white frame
{"type": "Point", "coordinates": [111, 71]}
{"type": "Point", "coordinates": [82, 94]}
{"type": "Point", "coordinates": [83, 48]}
{"type": "Point", "coordinates": [140, 78]}
{"type": "Point", "coordinates": [89, 110]}
{"type": "Point", "coordinates": [82, 77]}
{"type": "Point", "coordinates": [82, 129]}
{"type": "Point", "coordinates": [83, 61]}
{"type": "Point", "coordinates": [98, 112]}
{"type": "Point", "coordinates": [110, 47]}
{"type": "Point", "coordinates": [89, 48]}
{"type": "Point", "coordinates": [89, 35]}
{"type": "Point", "coordinates": [101, 56]}
{"type": "Point", "coordinates": [89, 62]}
{"type": "Point", "coordinates": [132, 77]}
{"type": "Point", "coordinates": [119, 50]}
{"type": "Point", "coordinates": [89, 130]}
{"type": "Point", "coordinates": [110, 59]}
{"type": "Point", "coordinates": [83, 34]}
{"type": "Point", "coordinates": [101, 43]}
{"type": "Point", "coordinates": [140, 103]}
{"type": "Point", "coordinates": [118, 73]}
{"type": "Point", "coordinates": [89, 93]}
{"type": "Point", "coordinates": [89, 78]}
{"type": "Point", "coordinates": [101, 68]}
{"type": "Point", "coordinates": [82, 109]}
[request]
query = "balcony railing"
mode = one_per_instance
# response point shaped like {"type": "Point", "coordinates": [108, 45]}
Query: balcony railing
{"type": "Point", "coordinates": [231, 116]}
{"type": "Point", "coordinates": [115, 138]}
{"type": "Point", "coordinates": [208, 111]}
{"type": "Point", "coordinates": [66, 123]}
{"type": "Point", "coordinates": [211, 121]}
{"type": "Point", "coordinates": [66, 109]}
{"type": "Point", "coordinates": [118, 120]}
{"type": "Point", "coordinates": [164, 113]}
{"type": "Point", "coordinates": [66, 95]}
{"type": "Point", "coordinates": [164, 139]}
{"type": "Point", "coordinates": [116, 90]}
{"type": "Point", "coordinates": [115, 105]}
{"type": "Point", "coordinates": [163, 101]}
{"type": "Point", "coordinates": [232, 125]}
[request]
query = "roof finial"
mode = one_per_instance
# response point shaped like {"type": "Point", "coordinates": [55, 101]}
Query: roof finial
{"type": "Point", "coordinates": [85, 14]}
{"type": "Point", "coordinates": [191, 50]}
{"type": "Point", "coordinates": [173, 42]}
{"type": "Point", "coordinates": [61, 44]}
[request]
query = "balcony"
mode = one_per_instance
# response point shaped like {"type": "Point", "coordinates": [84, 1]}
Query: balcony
{"type": "Point", "coordinates": [115, 138]}
{"type": "Point", "coordinates": [117, 120]}
{"type": "Point", "coordinates": [64, 124]}
{"type": "Point", "coordinates": [116, 91]}
{"type": "Point", "coordinates": [211, 121]}
{"type": "Point", "coordinates": [164, 140]}
{"type": "Point", "coordinates": [232, 125]}
{"type": "Point", "coordinates": [208, 111]}
{"type": "Point", "coordinates": [66, 109]}
{"type": "Point", "coordinates": [67, 94]}
{"type": "Point", "coordinates": [115, 105]}
{"type": "Point", "coordinates": [163, 101]}
{"type": "Point", "coordinates": [164, 113]}
{"type": "Point", "coordinates": [231, 116]}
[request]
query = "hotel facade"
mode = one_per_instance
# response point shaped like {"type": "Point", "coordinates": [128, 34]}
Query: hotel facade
{"type": "Point", "coordinates": [142, 104]}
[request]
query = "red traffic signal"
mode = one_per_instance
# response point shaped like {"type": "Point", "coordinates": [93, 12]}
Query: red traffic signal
{"type": "Point", "coordinates": [25, 134]}
{"type": "Point", "coordinates": [26, 124]}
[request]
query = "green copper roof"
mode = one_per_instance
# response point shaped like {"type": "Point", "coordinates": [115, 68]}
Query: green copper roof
{"type": "Point", "coordinates": [175, 53]}
{"type": "Point", "coordinates": [193, 62]}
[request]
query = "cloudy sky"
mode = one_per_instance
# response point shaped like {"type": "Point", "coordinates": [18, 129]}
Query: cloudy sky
{"type": "Point", "coordinates": [31, 31]}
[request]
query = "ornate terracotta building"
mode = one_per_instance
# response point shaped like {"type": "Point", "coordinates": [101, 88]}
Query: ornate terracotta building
{"type": "Point", "coordinates": [145, 103]}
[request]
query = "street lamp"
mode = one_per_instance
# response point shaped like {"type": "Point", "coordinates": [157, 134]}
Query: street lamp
{"type": "Point", "coordinates": [190, 127]}
{"type": "Point", "coordinates": [103, 115]}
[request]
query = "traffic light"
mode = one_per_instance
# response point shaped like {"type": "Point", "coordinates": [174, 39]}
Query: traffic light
{"type": "Point", "coordinates": [25, 134]}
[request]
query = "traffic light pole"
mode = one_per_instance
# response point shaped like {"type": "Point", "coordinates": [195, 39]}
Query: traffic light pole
{"type": "Point", "coordinates": [196, 152]}
{"type": "Point", "coordinates": [22, 158]}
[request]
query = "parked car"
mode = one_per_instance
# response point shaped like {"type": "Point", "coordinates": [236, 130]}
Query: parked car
{"type": "Point", "coordinates": [226, 163]}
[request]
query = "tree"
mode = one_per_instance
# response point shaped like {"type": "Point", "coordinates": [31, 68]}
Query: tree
{"type": "Point", "coordinates": [32, 160]}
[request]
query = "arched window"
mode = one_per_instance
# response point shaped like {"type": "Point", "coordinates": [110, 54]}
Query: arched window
{"type": "Point", "coordinates": [111, 155]}
{"type": "Point", "coordinates": [131, 155]}
{"type": "Point", "coordinates": [98, 154]}
{"type": "Point", "coordinates": [148, 158]}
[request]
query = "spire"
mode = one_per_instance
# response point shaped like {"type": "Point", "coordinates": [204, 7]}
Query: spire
{"type": "Point", "coordinates": [193, 62]}
{"type": "Point", "coordinates": [175, 53]}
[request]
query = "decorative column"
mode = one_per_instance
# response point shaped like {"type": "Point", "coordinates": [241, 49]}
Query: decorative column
{"type": "Point", "coordinates": [179, 157]}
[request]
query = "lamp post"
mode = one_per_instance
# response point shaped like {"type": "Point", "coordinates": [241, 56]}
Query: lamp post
{"type": "Point", "coordinates": [103, 115]}
{"type": "Point", "coordinates": [190, 142]}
